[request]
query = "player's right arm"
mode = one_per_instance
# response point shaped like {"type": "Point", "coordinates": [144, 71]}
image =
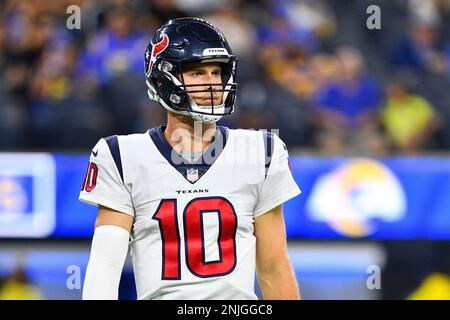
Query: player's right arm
{"type": "Point", "coordinates": [108, 254]}
{"type": "Point", "coordinates": [107, 216]}
{"type": "Point", "coordinates": [104, 186]}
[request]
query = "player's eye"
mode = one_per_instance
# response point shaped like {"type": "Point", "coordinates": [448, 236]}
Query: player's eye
{"type": "Point", "coordinates": [196, 73]}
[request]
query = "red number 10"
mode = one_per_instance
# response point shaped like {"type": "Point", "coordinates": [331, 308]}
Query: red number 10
{"type": "Point", "coordinates": [90, 180]}
{"type": "Point", "coordinates": [166, 215]}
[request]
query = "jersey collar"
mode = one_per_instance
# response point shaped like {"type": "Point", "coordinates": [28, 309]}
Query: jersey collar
{"type": "Point", "coordinates": [192, 172]}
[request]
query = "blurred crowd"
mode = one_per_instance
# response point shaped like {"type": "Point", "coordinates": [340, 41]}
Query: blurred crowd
{"type": "Point", "coordinates": [310, 68]}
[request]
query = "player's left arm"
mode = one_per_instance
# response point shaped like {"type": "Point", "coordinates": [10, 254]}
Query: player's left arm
{"type": "Point", "coordinates": [275, 274]}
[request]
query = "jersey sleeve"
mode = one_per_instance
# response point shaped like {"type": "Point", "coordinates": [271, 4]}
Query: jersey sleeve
{"type": "Point", "coordinates": [103, 184]}
{"type": "Point", "coordinates": [279, 184]}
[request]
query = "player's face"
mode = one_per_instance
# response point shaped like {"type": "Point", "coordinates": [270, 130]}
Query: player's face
{"type": "Point", "coordinates": [203, 73]}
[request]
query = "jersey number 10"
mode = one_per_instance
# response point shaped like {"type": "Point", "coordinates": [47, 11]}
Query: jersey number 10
{"type": "Point", "coordinates": [194, 243]}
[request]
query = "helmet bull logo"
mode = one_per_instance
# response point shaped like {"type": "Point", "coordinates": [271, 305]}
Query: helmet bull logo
{"type": "Point", "coordinates": [157, 49]}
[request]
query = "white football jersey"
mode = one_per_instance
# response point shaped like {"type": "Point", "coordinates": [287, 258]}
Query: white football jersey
{"type": "Point", "coordinates": [193, 232]}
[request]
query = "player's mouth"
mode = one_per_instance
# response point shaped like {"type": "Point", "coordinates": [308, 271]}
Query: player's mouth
{"type": "Point", "coordinates": [207, 101]}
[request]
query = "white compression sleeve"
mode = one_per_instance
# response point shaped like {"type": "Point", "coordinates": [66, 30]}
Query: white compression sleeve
{"type": "Point", "coordinates": [108, 253]}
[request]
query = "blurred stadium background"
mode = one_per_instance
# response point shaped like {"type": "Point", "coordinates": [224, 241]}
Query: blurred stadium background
{"type": "Point", "coordinates": [365, 114]}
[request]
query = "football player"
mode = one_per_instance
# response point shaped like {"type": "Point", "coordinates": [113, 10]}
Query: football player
{"type": "Point", "coordinates": [198, 205]}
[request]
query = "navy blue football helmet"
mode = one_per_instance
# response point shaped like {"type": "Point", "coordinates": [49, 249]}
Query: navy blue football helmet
{"type": "Point", "coordinates": [182, 41]}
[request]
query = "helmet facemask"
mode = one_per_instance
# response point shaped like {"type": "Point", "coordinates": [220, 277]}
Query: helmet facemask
{"type": "Point", "coordinates": [175, 94]}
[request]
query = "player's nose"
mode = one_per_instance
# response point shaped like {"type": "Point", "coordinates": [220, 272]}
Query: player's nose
{"type": "Point", "coordinates": [211, 77]}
